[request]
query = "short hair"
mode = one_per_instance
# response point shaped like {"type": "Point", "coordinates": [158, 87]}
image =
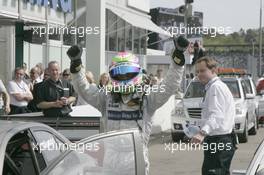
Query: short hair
{"type": "Point", "coordinates": [37, 69]}
{"type": "Point", "coordinates": [53, 62]}
{"type": "Point", "coordinates": [209, 61]}
{"type": "Point", "coordinates": [18, 68]}
{"type": "Point", "coordinates": [66, 71]}
{"type": "Point", "coordinates": [40, 67]}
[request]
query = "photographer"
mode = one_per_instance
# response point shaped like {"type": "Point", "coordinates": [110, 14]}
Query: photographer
{"type": "Point", "coordinates": [55, 96]}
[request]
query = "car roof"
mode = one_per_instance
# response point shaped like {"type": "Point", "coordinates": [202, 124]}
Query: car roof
{"type": "Point", "coordinates": [229, 78]}
{"type": "Point", "coordinates": [222, 78]}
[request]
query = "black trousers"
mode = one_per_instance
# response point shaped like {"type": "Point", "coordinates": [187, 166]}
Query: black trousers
{"type": "Point", "coordinates": [18, 109]}
{"type": "Point", "coordinates": [218, 156]}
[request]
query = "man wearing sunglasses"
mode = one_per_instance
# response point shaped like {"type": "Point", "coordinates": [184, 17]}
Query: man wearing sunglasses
{"type": "Point", "coordinates": [125, 107]}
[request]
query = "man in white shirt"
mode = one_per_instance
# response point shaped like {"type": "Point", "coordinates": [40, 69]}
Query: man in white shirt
{"type": "Point", "coordinates": [35, 75]}
{"type": "Point", "coordinates": [159, 75]}
{"type": "Point", "coordinates": [4, 99]}
{"type": "Point", "coordinates": [218, 116]}
{"type": "Point", "coordinates": [19, 92]}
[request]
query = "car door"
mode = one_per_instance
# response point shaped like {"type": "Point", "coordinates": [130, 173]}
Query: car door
{"type": "Point", "coordinates": [24, 153]}
{"type": "Point", "coordinates": [250, 103]}
{"type": "Point", "coordinates": [254, 100]}
{"type": "Point", "coordinates": [256, 166]}
{"type": "Point", "coordinates": [253, 91]}
{"type": "Point", "coordinates": [115, 153]}
{"type": "Point", "coordinates": [261, 105]}
{"type": "Point", "coordinates": [259, 100]}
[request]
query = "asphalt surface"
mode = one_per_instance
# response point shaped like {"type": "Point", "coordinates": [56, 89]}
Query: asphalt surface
{"type": "Point", "coordinates": [170, 159]}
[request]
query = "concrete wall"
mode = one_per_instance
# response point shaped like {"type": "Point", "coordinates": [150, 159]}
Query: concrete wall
{"type": "Point", "coordinates": [3, 55]}
{"type": "Point", "coordinates": [7, 54]}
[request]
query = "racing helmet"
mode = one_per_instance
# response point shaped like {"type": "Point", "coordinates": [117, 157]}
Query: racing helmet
{"type": "Point", "coordinates": [125, 73]}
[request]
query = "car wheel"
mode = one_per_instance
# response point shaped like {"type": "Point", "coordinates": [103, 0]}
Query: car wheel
{"type": "Point", "coordinates": [254, 129]}
{"type": "Point", "coordinates": [176, 137]}
{"type": "Point", "coordinates": [243, 138]}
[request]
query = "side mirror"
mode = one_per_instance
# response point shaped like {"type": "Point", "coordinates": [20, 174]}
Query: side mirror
{"type": "Point", "coordinates": [239, 172]}
{"type": "Point", "coordinates": [250, 96]}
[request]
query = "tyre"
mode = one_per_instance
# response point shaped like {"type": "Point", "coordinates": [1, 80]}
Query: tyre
{"type": "Point", "coordinates": [254, 129]}
{"type": "Point", "coordinates": [243, 138]}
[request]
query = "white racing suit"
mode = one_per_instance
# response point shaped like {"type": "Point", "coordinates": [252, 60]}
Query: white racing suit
{"type": "Point", "coordinates": [121, 116]}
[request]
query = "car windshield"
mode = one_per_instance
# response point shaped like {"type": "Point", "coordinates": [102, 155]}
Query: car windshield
{"type": "Point", "coordinates": [195, 90]}
{"type": "Point", "coordinates": [233, 87]}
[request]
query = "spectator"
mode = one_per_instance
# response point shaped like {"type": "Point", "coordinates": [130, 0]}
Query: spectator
{"type": "Point", "coordinates": [19, 92]}
{"type": "Point", "coordinates": [36, 89]}
{"type": "Point", "coordinates": [159, 75]}
{"type": "Point", "coordinates": [198, 52]}
{"type": "Point", "coordinates": [104, 80]}
{"type": "Point", "coordinates": [34, 77]}
{"type": "Point", "coordinates": [146, 78]}
{"type": "Point", "coordinates": [26, 76]}
{"type": "Point", "coordinates": [66, 75]}
{"type": "Point", "coordinates": [46, 74]}
{"type": "Point", "coordinates": [151, 76]}
{"type": "Point", "coordinates": [4, 100]}
{"type": "Point", "coordinates": [36, 81]}
{"type": "Point", "coordinates": [55, 96]}
{"type": "Point", "coordinates": [41, 69]}
{"type": "Point", "coordinates": [154, 81]}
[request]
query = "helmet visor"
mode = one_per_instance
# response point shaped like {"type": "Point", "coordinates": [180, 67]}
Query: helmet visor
{"type": "Point", "coordinates": [123, 73]}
